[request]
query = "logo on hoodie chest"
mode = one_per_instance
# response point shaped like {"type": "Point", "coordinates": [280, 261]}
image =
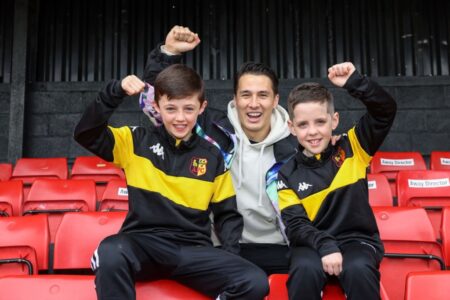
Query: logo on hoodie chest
{"type": "Point", "coordinates": [198, 166]}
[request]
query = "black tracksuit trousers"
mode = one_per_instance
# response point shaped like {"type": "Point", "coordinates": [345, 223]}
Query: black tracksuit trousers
{"type": "Point", "coordinates": [125, 258]}
{"type": "Point", "coordinates": [360, 277]}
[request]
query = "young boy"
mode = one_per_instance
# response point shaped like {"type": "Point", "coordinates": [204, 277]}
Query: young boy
{"type": "Point", "coordinates": [175, 179]}
{"type": "Point", "coordinates": [322, 191]}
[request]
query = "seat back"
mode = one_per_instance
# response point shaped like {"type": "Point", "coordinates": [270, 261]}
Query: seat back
{"type": "Point", "coordinates": [428, 285]}
{"type": "Point", "coordinates": [56, 197]}
{"type": "Point", "coordinates": [115, 196]}
{"type": "Point", "coordinates": [79, 234]}
{"type": "Point", "coordinates": [24, 244]}
{"type": "Point", "coordinates": [30, 169]}
{"type": "Point", "coordinates": [379, 190]}
{"type": "Point", "coordinates": [5, 171]}
{"type": "Point", "coordinates": [440, 160]}
{"type": "Point", "coordinates": [390, 163]}
{"type": "Point", "coordinates": [332, 290]}
{"type": "Point", "coordinates": [428, 189]}
{"type": "Point", "coordinates": [445, 234]}
{"type": "Point", "coordinates": [410, 245]}
{"type": "Point", "coordinates": [48, 287]}
{"type": "Point", "coordinates": [97, 169]}
{"type": "Point", "coordinates": [82, 287]}
{"type": "Point", "coordinates": [11, 198]}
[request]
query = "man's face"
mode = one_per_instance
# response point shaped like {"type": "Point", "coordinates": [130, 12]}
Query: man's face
{"type": "Point", "coordinates": [179, 116]}
{"type": "Point", "coordinates": [313, 126]}
{"type": "Point", "coordinates": [255, 101]}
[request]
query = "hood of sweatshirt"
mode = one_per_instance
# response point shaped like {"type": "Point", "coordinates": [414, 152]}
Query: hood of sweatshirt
{"type": "Point", "coordinates": [249, 167]}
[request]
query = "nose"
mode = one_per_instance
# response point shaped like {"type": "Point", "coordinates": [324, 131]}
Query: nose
{"type": "Point", "coordinates": [179, 116]}
{"type": "Point", "coordinates": [254, 101]}
{"type": "Point", "coordinates": [312, 130]}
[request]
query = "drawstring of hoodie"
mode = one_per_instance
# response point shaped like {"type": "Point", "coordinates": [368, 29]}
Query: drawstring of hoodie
{"type": "Point", "coordinates": [241, 152]}
{"type": "Point", "coordinates": [261, 178]}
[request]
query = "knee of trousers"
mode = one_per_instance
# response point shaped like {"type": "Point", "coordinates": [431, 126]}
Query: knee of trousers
{"type": "Point", "coordinates": [113, 252]}
{"type": "Point", "coordinates": [257, 283]}
{"type": "Point", "coordinates": [358, 270]}
{"type": "Point", "coordinates": [308, 267]}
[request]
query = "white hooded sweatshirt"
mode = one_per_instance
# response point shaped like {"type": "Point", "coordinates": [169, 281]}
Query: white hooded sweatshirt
{"type": "Point", "coordinates": [249, 167]}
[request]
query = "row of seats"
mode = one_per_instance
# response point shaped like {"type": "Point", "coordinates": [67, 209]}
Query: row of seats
{"type": "Point", "coordinates": [390, 163]}
{"type": "Point", "coordinates": [430, 285]}
{"type": "Point", "coordinates": [409, 240]}
{"type": "Point", "coordinates": [84, 167]}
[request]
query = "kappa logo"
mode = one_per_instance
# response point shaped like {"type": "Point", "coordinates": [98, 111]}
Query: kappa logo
{"type": "Point", "coordinates": [198, 166]}
{"type": "Point", "coordinates": [158, 150]}
{"type": "Point", "coordinates": [281, 185]}
{"type": "Point", "coordinates": [303, 186]}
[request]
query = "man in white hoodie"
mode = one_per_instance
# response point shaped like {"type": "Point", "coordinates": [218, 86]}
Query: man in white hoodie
{"type": "Point", "coordinates": [263, 140]}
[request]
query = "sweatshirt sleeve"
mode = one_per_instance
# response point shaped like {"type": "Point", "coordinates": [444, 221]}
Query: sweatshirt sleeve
{"type": "Point", "coordinates": [228, 222]}
{"type": "Point", "coordinates": [374, 126]}
{"type": "Point", "coordinates": [299, 229]}
{"type": "Point", "coordinates": [92, 131]}
{"type": "Point", "coordinates": [158, 61]}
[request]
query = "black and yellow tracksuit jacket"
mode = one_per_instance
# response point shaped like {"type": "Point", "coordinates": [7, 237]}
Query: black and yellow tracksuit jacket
{"type": "Point", "coordinates": [323, 199]}
{"type": "Point", "coordinates": [172, 186]}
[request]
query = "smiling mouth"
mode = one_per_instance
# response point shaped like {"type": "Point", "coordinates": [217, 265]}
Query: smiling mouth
{"type": "Point", "coordinates": [254, 116]}
{"type": "Point", "coordinates": [315, 142]}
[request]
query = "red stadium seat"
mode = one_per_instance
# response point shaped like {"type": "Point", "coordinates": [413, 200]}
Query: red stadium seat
{"type": "Point", "coordinates": [24, 245]}
{"type": "Point", "coordinates": [390, 163]}
{"type": "Point", "coordinates": [115, 196]}
{"type": "Point", "coordinates": [56, 197]}
{"type": "Point", "coordinates": [332, 290]}
{"type": "Point", "coordinates": [81, 287]}
{"type": "Point", "coordinates": [11, 198]}
{"type": "Point", "coordinates": [79, 234]}
{"type": "Point", "coordinates": [440, 160]}
{"type": "Point", "coordinates": [428, 285]}
{"type": "Point", "coordinates": [428, 189]}
{"type": "Point", "coordinates": [5, 172]}
{"type": "Point", "coordinates": [379, 190]}
{"type": "Point", "coordinates": [97, 169]}
{"type": "Point", "coordinates": [445, 234]}
{"type": "Point", "coordinates": [410, 245]}
{"type": "Point", "coordinates": [30, 169]}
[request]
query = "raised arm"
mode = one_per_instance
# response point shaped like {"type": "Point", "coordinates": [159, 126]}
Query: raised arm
{"type": "Point", "coordinates": [374, 126]}
{"type": "Point", "coordinates": [92, 131]}
{"type": "Point", "coordinates": [178, 41]}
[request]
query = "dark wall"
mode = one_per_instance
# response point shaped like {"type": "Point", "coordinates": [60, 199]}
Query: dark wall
{"type": "Point", "coordinates": [422, 123]}
{"type": "Point", "coordinates": [4, 121]}
{"type": "Point", "coordinates": [65, 50]}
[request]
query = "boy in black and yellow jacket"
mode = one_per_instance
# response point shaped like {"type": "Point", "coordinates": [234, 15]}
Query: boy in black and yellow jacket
{"type": "Point", "coordinates": [176, 176]}
{"type": "Point", "coordinates": [322, 191]}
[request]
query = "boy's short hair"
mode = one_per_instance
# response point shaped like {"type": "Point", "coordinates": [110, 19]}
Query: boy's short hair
{"type": "Point", "coordinates": [254, 68]}
{"type": "Point", "coordinates": [309, 92]}
{"type": "Point", "coordinates": [179, 81]}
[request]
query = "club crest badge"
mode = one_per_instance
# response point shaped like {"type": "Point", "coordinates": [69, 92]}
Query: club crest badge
{"type": "Point", "coordinates": [198, 166]}
{"type": "Point", "coordinates": [339, 157]}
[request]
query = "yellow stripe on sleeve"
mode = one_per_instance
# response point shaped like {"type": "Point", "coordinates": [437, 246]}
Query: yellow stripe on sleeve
{"type": "Point", "coordinates": [223, 187]}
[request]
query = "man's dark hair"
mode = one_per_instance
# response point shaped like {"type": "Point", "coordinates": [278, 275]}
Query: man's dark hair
{"type": "Point", "coordinates": [256, 69]}
{"type": "Point", "coordinates": [179, 81]}
{"type": "Point", "coordinates": [309, 92]}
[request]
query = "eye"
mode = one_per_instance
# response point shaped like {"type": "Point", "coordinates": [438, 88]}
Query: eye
{"type": "Point", "coordinates": [170, 109]}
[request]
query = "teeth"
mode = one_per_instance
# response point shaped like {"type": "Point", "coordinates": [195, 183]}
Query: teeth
{"type": "Point", "coordinates": [254, 114]}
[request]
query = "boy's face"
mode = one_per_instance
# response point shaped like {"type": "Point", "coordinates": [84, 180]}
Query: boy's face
{"type": "Point", "coordinates": [255, 101]}
{"type": "Point", "coordinates": [313, 126]}
{"type": "Point", "coordinates": [179, 116]}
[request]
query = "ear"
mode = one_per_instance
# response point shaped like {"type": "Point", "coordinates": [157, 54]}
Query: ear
{"type": "Point", "coordinates": [203, 106]}
{"type": "Point", "coordinates": [335, 120]}
{"type": "Point", "coordinates": [291, 127]}
{"type": "Point", "coordinates": [276, 100]}
{"type": "Point", "coordinates": [156, 107]}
